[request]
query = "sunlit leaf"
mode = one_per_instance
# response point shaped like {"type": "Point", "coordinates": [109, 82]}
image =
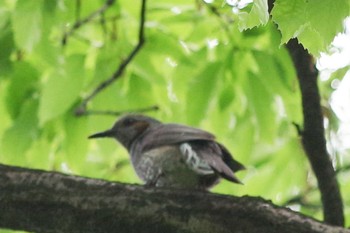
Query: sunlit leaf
{"type": "Point", "coordinates": [27, 20]}
{"type": "Point", "coordinates": [18, 138]}
{"type": "Point", "coordinates": [76, 142]}
{"type": "Point", "coordinates": [314, 23]}
{"type": "Point", "coordinates": [62, 89]}
{"type": "Point", "coordinates": [6, 42]}
{"type": "Point", "coordinates": [258, 15]}
{"type": "Point", "coordinates": [200, 90]}
{"type": "Point", "coordinates": [22, 87]}
{"type": "Point", "coordinates": [261, 100]}
{"type": "Point", "coordinates": [326, 17]}
{"type": "Point", "coordinates": [290, 17]}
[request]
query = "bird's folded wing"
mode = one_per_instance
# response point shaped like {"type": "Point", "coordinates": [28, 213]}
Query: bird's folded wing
{"type": "Point", "coordinates": [227, 158]}
{"type": "Point", "coordinates": [209, 152]}
{"type": "Point", "coordinates": [167, 134]}
{"type": "Point", "coordinates": [219, 160]}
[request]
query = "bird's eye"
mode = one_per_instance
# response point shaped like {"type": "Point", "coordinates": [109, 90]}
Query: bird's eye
{"type": "Point", "coordinates": [129, 122]}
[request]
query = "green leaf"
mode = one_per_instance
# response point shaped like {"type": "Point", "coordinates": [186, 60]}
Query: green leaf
{"type": "Point", "coordinates": [160, 40]}
{"type": "Point", "coordinates": [62, 89]}
{"type": "Point", "coordinates": [258, 15]}
{"type": "Point", "coordinates": [27, 19]}
{"type": "Point", "coordinates": [326, 17]}
{"type": "Point", "coordinates": [5, 16]}
{"type": "Point", "coordinates": [262, 107]}
{"type": "Point", "coordinates": [312, 40]}
{"type": "Point", "coordinates": [140, 89]}
{"type": "Point", "coordinates": [200, 90]}
{"type": "Point", "coordinates": [290, 17]}
{"type": "Point", "coordinates": [6, 42]}
{"type": "Point", "coordinates": [22, 86]}
{"type": "Point", "coordinates": [226, 97]}
{"type": "Point", "coordinates": [274, 78]}
{"type": "Point", "coordinates": [18, 138]}
{"type": "Point", "coordinates": [76, 142]}
{"type": "Point", "coordinates": [286, 159]}
{"type": "Point", "coordinates": [314, 23]}
{"type": "Point", "coordinates": [39, 155]}
{"type": "Point", "coordinates": [143, 66]}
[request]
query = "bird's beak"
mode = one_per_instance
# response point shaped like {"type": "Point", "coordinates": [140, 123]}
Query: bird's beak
{"type": "Point", "coordinates": [107, 133]}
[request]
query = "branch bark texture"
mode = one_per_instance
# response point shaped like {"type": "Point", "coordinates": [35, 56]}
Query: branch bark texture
{"type": "Point", "coordinates": [313, 138]}
{"type": "Point", "coordinates": [312, 134]}
{"type": "Point", "coordinates": [39, 201]}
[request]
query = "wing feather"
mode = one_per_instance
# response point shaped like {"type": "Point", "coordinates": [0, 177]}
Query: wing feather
{"type": "Point", "coordinates": [212, 154]}
{"type": "Point", "coordinates": [167, 134]}
{"type": "Point", "coordinates": [219, 160]}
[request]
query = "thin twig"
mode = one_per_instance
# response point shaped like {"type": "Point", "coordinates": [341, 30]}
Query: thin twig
{"type": "Point", "coordinates": [77, 10]}
{"type": "Point", "coordinates": [224, 25]}
{"type": "Point", "coordinates": [119, 113]}
{"type": "Point", "coordinates": [302, 199]}
{"type": "Point", "coordinates": [85, 20]}
{"type": "Point", "coordinates": [118, 73]}
{"type": "Point", "coordinates": [298, 128]}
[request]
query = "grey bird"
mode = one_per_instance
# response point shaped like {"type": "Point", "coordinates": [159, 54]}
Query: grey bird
{"type": "Point", "coordinates": [173, 155]}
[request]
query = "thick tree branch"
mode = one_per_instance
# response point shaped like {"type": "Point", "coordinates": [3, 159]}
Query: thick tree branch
{"type": "Point", "coordinates": [313, 138]}
{"type": "Point", "coordinates": [39, 201]}
{"type": "Point", "coordinates": [81, 110]}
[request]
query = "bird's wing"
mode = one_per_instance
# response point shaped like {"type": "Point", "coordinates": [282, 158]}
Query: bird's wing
{"type": "Point", "coordinates": [167, 134]}
{"type": "Point", "coordinates": [203, 154]}
{"type": "Point", "coordinates": [228, 159]}
{"type": "Point", "coordinates": [212, 154]}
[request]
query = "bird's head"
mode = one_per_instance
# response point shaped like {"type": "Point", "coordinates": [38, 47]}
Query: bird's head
{"type": "Point", "coordinates": [128, 128]}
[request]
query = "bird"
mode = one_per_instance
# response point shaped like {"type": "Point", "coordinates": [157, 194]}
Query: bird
{"type": "Point", "coordinates": [173, 155]}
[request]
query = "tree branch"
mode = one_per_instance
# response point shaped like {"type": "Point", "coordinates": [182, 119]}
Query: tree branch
{"type": "Point", "coordinates": [81, 110]}
{"type": "Point", "coordinates": [118, 113]}
{"type": "Point", "coordinates": [40, 201]}
{"type": "Point", "coordinates": [312, 135]}
{"type": "Point", "coordinates": [80, 23]}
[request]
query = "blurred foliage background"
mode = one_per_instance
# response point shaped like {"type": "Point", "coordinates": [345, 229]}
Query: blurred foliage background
{"type": "Point", "coordinates": [218, 65]}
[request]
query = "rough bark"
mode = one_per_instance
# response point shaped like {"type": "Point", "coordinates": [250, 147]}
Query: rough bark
{"type": "Point", "coordinates": [312, 134]}
{"type": "Point", "coordinates": [40, 201]}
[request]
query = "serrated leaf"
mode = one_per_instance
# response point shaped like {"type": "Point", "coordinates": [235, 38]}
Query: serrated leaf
{"type": "Point", "coordinates": [26, 22]}
{"type": "Point", "coordinates": [62, 89]}
{"type": "Point", "coordinates": [258, 15]}
{"type": "Point", "coordinates": [314, 23]}
{"type": "Point", "coordinates": [312, 40]}
{"type": "Point", "coordinates": [290, 16]}
{"type": "Point", "coordinates": [326, 17]}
